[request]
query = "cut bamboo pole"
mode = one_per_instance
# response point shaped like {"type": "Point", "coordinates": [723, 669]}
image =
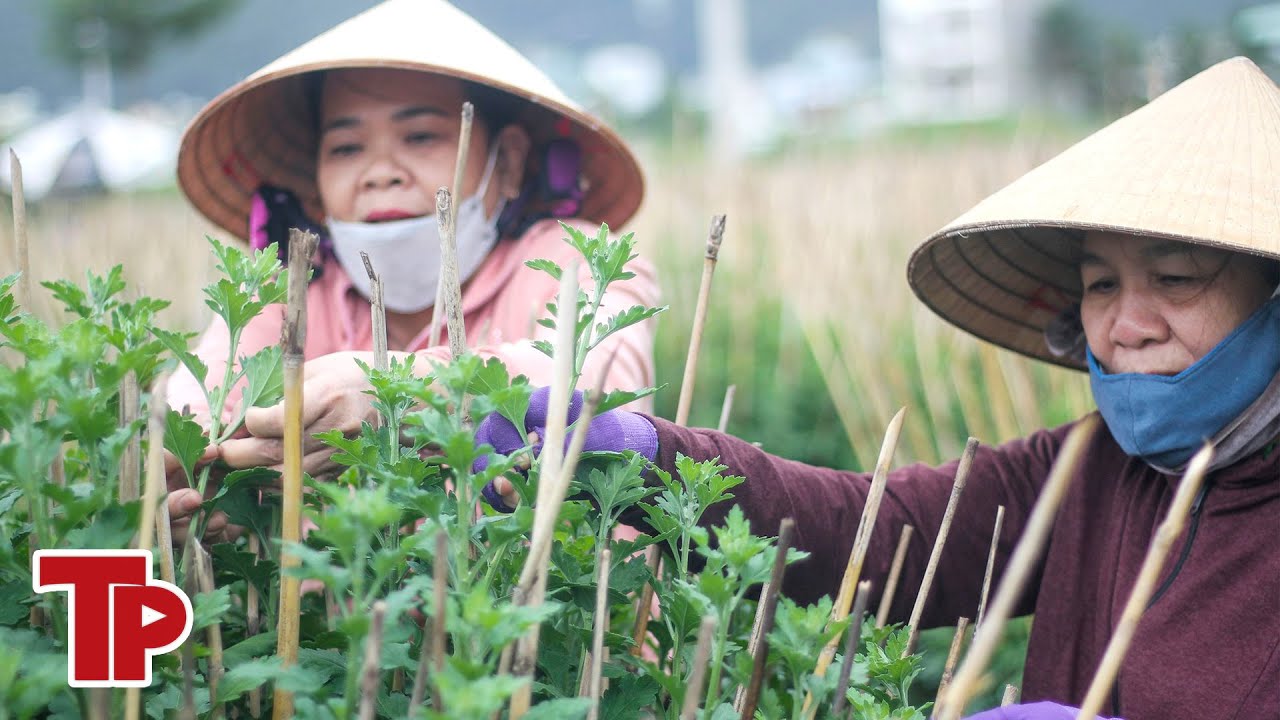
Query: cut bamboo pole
{"type": "Point", "coordinates": [962, 477]}
{"type": "Point", "coordinates": [1025, 556]}
{"type": "Point", "coordinates": [853, 635]}
{"type": "Point", "coordinates": [20, 231]}
{"type": "Point", "coordinates": [991, 566]}
{"type": "Point", "coordinates": [953, 656]}
{"type": "Point", "coordinates": [452, 290]}
{"type": "Point", "coordinates": [151, 496]}
{"type": "Point", "coordinates": [131, 458]}
{"type": "Point", "coordinates": [1010, 695]}
{"type": "Point", "coordinates": [726, 407]}
{"type": "Point", "coordinates": [301, 247]}
{"type": "Point", "coordinates": [99, 703]}
{"type": "Point", "coordinates": [377, 315]}
{"type": "Point", "coordinates": [895, 572]}
{"type": "Point", "coordinates": [714, 238]}
{"type": "Point", "coordinates": [640, 632]}
{"type": "Point", "coordinates": [253, 624]}
{"type": "Point", "coordinates": [597, 637]}
{"type": "Point", "coordinates": [203, 565]}
{"type": "Point", "coordinates": [701, 658]}
{"type": "Point", "coordinates": [853, 571]}
{"type": "Point", "coordinates": [766, 611]}
{"type": "Point", "coordinates": [370, 673]}
{"type": "Point", "coordinates": [1169, 530]}
{"type": "Point", "coordinates": [459, 175]}
{"type": "Point", "coordinates": [164, 542]}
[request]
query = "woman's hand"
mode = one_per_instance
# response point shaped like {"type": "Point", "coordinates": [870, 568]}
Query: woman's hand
{"type": "Point", "coordinates": [334, 399]}
{"type": "Point", "coordinates": [183, 502]}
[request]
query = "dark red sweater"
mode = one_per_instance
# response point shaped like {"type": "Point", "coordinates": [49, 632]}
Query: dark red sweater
{"type": "Point", "coordinates": [1208, 647]}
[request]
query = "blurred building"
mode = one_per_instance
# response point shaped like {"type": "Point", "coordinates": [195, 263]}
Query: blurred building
{"type": "Point", "coordinates": [946, 60]}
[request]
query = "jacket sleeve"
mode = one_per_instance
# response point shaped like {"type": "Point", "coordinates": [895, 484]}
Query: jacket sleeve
{"type": "Point", "coordinates": [827, 505]}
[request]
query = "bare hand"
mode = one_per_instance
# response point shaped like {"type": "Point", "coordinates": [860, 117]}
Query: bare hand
{"type": "Point", "coordinates": [183, 502]}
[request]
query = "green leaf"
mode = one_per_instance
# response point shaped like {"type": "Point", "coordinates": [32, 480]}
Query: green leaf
{"type": "Point", "coordinates": [625, 319]}
{"type": "Point", "coordinates": [209, 607]}
{"type": "Point", "coordinates": [15, 596]}
{"type": "Point", "coordinates": [560, 709]}
{"type": "Point", "coordinates": [112, 529]}
{"type": "Point", "coordinates": [265, 373]}
{"type": "Point", "coordinates": [618, 398]}
{"type": "Point", "coordinates": [177, 344]}
{"type": "Point", "coordinates": [185, 439]}
{"type": "Point", "coordinates": [546, 266]}
{"type": "Point", "coordinates": [626, 696]}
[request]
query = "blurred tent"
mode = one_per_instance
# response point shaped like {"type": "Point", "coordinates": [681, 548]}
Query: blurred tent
{"type": "Point", "coordinates": [92, 148]}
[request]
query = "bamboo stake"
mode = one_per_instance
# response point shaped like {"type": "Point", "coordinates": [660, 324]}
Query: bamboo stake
{"type": "Point", "coordinates": [1010, 695]}
{"type": "Point", "coordinates": [191, 586]}
{"type": "Point", "coordinates": [451, 289]}
{"type": "Point", "coordinates": [1168, 531]}
{"type": "Point", "coordinates": [853, 571]}
{"type": "Point", "coordinates": [854, 634]}
{"type": "Point", "coordinates": [20, 230]}
{"type": "Point", "coordinates": [377, 314]}
{"type": "Point", "coordinates": [152, 494]}
{"type": "Point", "coordinates": [601, 627]}
{"type": "Point", "coordinates": [991, 566]}
{"type": "Point", "coordinates": [203, 565]}
{"type": "Point", "coordinates": [99, 703]}
{"type": "Point", "coordinates": [953, 656]}
{"type": "Point", "coordinates": [459, 174]}
{"type": "Point", "coordinates": [131, 458]}
{"type": "Point", "coordinates": [895, 572]}
{"type": "Point", "coordinates": [962, 477]}
{"type": "Point", "coordinates": [652, 561]}
{"type": "Point", "coordinates": [714, 239]}
{"type": "Point", "coordinates": [1025, 556]}
{"type": "Point", "coordinates": [726, 407]}
{"type": "Point", "coordinates": [766, 611]}
{"type": "Point", "coordinates": [369, 673]}
{"type": "Point", "coordinates": [164, 542]}
{"type": "Point", "coordinates": [253, 622]}
{"type": "Point", "coordinates": [301, 247]}
{"type": "Point", "coordinates": [693, 691]}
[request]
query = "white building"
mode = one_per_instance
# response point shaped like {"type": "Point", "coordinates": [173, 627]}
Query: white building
{"type": "Point", "coordinates": [946, 60]}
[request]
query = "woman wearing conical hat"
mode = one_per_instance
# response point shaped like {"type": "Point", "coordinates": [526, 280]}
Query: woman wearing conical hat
{"type": "Point", "coordinates": [1147, 256]}
{"type": "Point", "coordinates": [352, 134]}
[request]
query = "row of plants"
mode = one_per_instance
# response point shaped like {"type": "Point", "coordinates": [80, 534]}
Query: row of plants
{"type": "Point", "coordinates": [424, 602]}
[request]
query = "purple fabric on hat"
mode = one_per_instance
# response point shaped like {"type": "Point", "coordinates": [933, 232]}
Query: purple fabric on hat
{"type": "Point", "coordinates": [1033, 711]}
{"type": "Point", "coordinates": [258, 216]}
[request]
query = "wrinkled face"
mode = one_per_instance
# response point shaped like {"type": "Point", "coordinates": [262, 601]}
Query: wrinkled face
{"type": "Point", "coordinates": [1157, 306]}
{"type": "Point", "coordinates": [389, 141]}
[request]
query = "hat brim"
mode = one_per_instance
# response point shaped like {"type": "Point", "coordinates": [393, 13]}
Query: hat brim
{"type": "Point", "coordinates": [261, 131]}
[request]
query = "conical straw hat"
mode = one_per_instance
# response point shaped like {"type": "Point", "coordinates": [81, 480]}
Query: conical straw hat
{"type": "Point", "coordinates": [1200, 164]}
{"type": "Point", "coordinates": [261, 130]}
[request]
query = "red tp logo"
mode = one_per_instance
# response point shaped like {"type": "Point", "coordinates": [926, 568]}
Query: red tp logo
{"type": "Point", "coordinates": [119, 616]}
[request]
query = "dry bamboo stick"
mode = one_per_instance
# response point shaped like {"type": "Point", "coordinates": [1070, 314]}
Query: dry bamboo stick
{"type": "Point", "coordinates": [953, 656]}
{"type": "Point", "coordinates": [895, 572]}
{"type": "Point", "coordinates": [1168, 531]}
{"type": "Point", "coordinates": [714, 238]}
{"type": "Point", "coordinates": [459, 174]}
{"type": "Point", "coordinates": [597, 637]}
{"type": "Point", "coordinates": [962, 477]}
{"type": "Point", "coordinates": [766, 611]}
{"type": "Point", "coordinates": [451, 288]}
{"type": "Point", "coordinates": [377, 315]}
{"type": "Point", "coordinates": [370, 671]}
{"type": "Point", "coordinates": [253, 623]}
{"type": "Point", "coordinates": [652, 561]}
{"type": "Point", "coordinates": [164, 541]}
{"type": "Point", "coordinates": [131, 458]}
{"type": "Point", "coordinates": [726, 407]}
{"type": "Point", "coordinates": [301, 247]}
{"type": "Point", "coordinates": [20, 231]}
{"type": "Point", "coordinates": [202, 563]}
{"type": "Point", "coordinates": [440, 589]}
{"type": "Point", "coordinates": [701, 658]}
{"type": "Point", "coordinates": [1025, 556]}
{"type": "Point", "coordinates": [151, 495]}
{"type": "Point", "coordinates": [99, 703]}
{"type": "Point", "coordinates": [853, 571]}
{"type": "Point", "coordinates": [854, 634]}
{"type": "Point", "coordinates": [991, 566]}
{"type": "Point", "coordinates": [1010, 695]}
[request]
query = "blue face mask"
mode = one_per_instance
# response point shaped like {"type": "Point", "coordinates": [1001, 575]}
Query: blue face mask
{"type": "Point", "coordinates": [1165, 419]}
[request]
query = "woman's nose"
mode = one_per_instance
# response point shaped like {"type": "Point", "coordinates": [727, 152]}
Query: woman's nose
{"type": "Point", "coordinates": [1137, 322]}
{"type": "Point", "coordinates": [383, 171]}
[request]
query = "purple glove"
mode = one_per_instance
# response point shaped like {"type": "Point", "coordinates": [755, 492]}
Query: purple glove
{"type": "Point", "coordinates": [613, 431]}
{"type": "Point", "coordinates": [1034, 711]}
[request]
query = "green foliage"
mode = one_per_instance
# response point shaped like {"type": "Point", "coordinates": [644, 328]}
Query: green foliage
{"type": "Point", "coordinates": [128, 33]}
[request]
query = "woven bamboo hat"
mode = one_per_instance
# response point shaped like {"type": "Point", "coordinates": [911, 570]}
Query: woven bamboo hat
{"type": "Point", "coordinates": [1200, 164]}
{"type": "Point", "coordinates": [261, 130]}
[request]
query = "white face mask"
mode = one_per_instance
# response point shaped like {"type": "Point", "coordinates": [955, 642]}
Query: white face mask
{"type": "Point", "coordinates": [406, 253]}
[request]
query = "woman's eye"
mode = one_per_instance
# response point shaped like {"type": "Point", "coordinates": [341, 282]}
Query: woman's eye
{"type": "Point", "coordinates": [420, 138]}
{"type": "Point", "coordinates": [1099, 286]}
{"type": "Point", "coordinates": [344, 150]}
{"type": "Point", "coordinates": [1177, 280]}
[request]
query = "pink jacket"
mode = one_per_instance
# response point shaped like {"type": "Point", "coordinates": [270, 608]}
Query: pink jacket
{"type": "Point", "coordinates": [500, 306]}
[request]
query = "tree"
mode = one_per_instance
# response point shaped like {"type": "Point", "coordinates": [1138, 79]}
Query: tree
{"type": "Point", "coordinates": [128, 31]}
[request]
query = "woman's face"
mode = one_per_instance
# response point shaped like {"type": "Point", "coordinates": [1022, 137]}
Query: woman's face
{"type": "Point", "coordinates": [389, 141]}
{"type": "Point", "coordinates": [1157, 306]}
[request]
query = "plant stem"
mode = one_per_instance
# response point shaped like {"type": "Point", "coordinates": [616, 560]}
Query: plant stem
{"type": "Point", "coordinates": [951, 705]}
{"type": "Point", "coordinates": [962, 477]}
{"type": "Point", "coordinates": [1169, 531]}
{"type": "Point", "coordinates": [715, 237]}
